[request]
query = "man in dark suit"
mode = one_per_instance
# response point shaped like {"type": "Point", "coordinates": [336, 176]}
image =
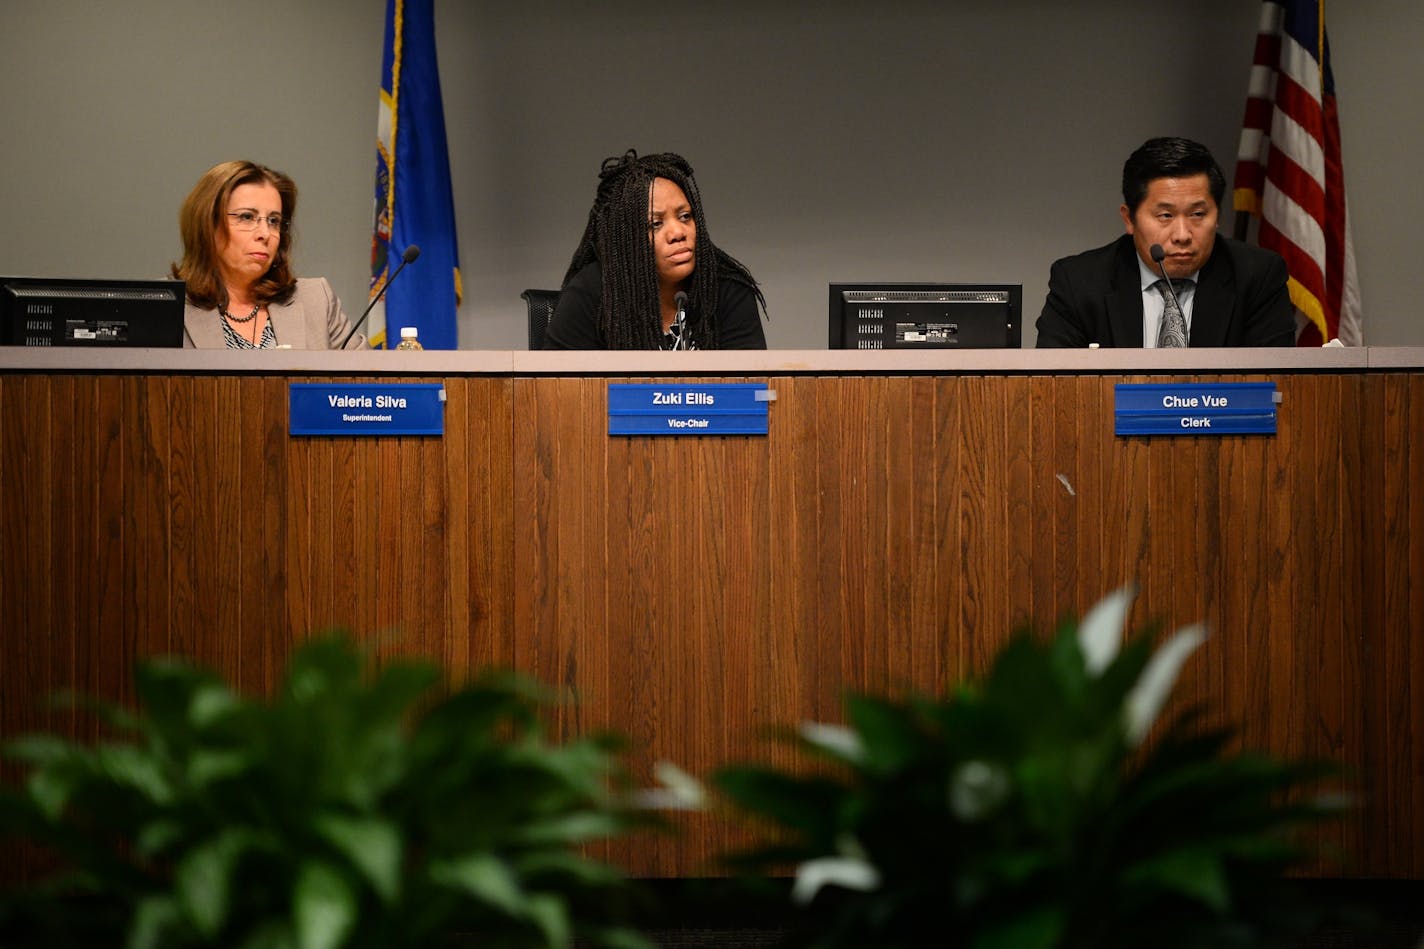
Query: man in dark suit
{"type": "Point", "coordinates": [1227, 293]}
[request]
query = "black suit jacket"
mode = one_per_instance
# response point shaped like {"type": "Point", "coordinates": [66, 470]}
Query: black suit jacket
{"type": "Point", "coordinates": [1096, 297]}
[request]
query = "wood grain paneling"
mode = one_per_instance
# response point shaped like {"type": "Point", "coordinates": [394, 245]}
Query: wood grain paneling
{"type": "Point", "coordinates": [890, 533]}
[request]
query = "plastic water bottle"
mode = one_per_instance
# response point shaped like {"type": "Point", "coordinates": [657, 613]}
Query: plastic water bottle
{"type": "Point", "coordinates": [408, 340]}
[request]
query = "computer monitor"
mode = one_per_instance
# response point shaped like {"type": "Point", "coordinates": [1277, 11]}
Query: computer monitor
{"type": "Point", "coordinates": [60, 311]}
{"type": "Point", "coordinates": [925, 315]}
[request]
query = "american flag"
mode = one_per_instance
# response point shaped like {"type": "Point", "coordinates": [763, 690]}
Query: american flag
{"type": "Point", "coordinates": [1289, 174]}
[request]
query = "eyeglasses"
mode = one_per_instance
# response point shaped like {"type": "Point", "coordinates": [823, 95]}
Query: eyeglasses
{"type": "Point", "coordinates": [247, 220]}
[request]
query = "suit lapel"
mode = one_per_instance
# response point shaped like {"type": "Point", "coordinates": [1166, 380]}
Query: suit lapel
{"type": "Point", "coordinates": [1214, 299]}
{"type": "Point", "coordinates": [287, 324]}
{"type": "Point", "coordinates": [203, 327]}
{"type": "Point", "coordinates": [1124, 298]}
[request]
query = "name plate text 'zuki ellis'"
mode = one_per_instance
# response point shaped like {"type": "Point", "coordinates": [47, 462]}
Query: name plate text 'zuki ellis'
{"type": "Point", "coordinates": [712, 408]}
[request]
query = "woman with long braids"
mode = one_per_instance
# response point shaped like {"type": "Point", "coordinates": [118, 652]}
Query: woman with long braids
{"type": "Point", "coordinates": [646, 254]}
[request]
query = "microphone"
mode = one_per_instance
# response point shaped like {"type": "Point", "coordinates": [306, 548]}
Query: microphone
{"type": "Point", "coordinates": [412, 251]}
{"type": "Point", "coordinates": [681, 322]}
{"type": "Point", "coordinates": [1159, 255]}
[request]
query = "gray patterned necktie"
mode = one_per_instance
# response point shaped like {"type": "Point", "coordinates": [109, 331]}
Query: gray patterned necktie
{"type": "Point", "coordinates": [1172, 334]}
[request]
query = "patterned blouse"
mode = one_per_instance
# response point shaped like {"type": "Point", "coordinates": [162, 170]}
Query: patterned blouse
{"type": "Point", "coordinates": [236, 340]}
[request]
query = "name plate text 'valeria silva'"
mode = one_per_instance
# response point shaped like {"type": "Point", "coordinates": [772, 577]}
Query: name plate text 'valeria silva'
{"type": "Point", "coordinates": [399, 408]}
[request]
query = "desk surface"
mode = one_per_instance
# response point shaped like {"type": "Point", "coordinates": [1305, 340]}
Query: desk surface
{"type": "Point", "coordinates": [768, 362]}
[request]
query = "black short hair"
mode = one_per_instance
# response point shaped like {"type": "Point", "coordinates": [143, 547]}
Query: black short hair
{"type": "Point", "coordinates": [1169, 158]}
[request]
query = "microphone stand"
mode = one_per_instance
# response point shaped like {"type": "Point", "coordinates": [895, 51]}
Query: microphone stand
{"type": "Point", "coordinates": [411, 253]}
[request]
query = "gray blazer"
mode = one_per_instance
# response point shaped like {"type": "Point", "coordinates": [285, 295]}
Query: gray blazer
{"type": "Point", "coordinates": [312, 319]}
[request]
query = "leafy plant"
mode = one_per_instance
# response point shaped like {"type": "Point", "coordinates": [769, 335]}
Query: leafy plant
{"type": "Point", "coordinates": [356, 808]}
{"type": "Point", "coordinates": [1025, 811]}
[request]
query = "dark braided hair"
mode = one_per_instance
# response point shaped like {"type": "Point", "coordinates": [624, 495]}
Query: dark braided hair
{"type": "Point", "coordinates": [617, 238]}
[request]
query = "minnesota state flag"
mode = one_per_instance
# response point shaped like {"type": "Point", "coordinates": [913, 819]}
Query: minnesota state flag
{"type": "Point", "coordinates": [414, 201]}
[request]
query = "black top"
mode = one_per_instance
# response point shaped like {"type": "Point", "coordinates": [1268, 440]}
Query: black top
{"type": "Point", "coordinates": [574, 324]}
{"type": "Point", "coordinates": [1096, 297]}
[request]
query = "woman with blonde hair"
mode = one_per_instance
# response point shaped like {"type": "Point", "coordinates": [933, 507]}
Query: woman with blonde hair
{"type": "Point", "coordinates": [237, 264]}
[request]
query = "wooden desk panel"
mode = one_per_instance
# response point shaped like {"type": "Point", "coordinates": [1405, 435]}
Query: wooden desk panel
{"type": "Point", "coordinates": [891, 531]}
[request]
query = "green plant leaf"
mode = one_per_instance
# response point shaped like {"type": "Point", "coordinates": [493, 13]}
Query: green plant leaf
{"type": "Point", "coordinates": [570, 828]}
{"type": "Point", "coordinates": [44, 750]}
{"type": "Point", "coordinates": [136, 768]}
{"type": "Point", "coordinates": [1049, 789]}
{"type": "Point", "coordinates": [570, 866]}
{"type": "Point", "coordinates": [468, 716]}
{"type": "Point", "coordinates": [810, 805]}
{"type": "Point", "coordinates": [270, 934]}
{"type": "Point", "coordinates": [1035, 927]}
{"type": "Point", "coordinates": [157, 836]}
{"type": "Point", "coordinates": [1071, 669]}
{"type": "Point", "coordinates": [210, 703]}
{"type": "Point", "coordinates": [373, 846]}
{"type": "Point", "coordinates": [1025, 692]}
{"type": "Point", "coordinates": [1194, 874]}
{"type": "Point", "coordinates": [889, 736]}
{"type": "Point", "coordinates": [119, 719]}
{"type": "Point", "coordinates": [396, 689]}
{"type": "Point", "coordinates": [153, 918]}
{"type": "Point", "coordinates": [50, 789]}
{"type": "Point", "coordinates": [208, 766]}
{"type": "Point", "coordinates": [323, 907]}
{"type": "Point", "coordinates": [165, 685]}
{"type": "Point", "coordinates": [551, 916]}
{"type": "Point", "coordinates": [321, 667]}
{"type": "Point", "coordinates": [485, 877]}
{"type": "Point", "coordinates": [203, 880]}
{"type": "Point", "coordinates": [262, 822]}
{"type": "Point", "coordinates": [1010, 811]}
{"type": "Point", "coordinates": [579, 766]}
{"type": "Point", "coordinates": [1014, 867]}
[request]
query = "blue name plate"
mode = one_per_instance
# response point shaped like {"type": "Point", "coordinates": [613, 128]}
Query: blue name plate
{"type": "Point", "coordinates": [405, 408]}
{"type": "Point", "coordinates": [715, 408]}
{"type": "Point", "coordinates": [1201, 408]}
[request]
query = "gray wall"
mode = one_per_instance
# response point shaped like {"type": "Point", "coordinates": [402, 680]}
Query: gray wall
{"type": "Point", "coordinates": [905, 140]}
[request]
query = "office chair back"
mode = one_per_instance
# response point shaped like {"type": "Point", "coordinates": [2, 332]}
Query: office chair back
{"type": "Point", "coordinates": [541, 310]}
